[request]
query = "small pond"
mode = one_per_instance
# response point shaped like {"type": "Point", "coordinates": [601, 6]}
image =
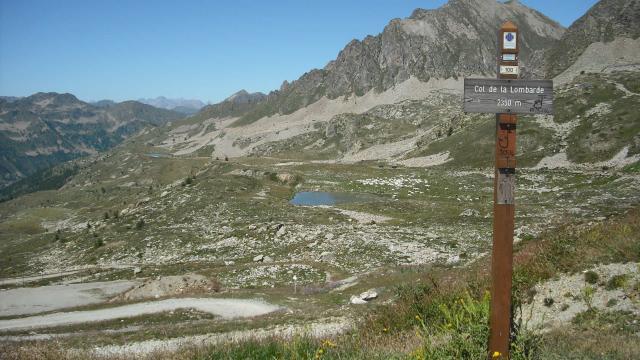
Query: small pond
{"type": "Point", "coordinates": [158, 155]}
{"type": "Point", "coordinates": [315, 198]}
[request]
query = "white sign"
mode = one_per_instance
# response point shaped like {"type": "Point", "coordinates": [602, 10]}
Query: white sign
{"type": "Point", "coordinates": [505, 183]}
{"type": "Point", "coordinates": [508, 57]}
{"type": "Point", "coordinates": [509, 40]}
{"type": "Point", "coordinates": [508, 70]}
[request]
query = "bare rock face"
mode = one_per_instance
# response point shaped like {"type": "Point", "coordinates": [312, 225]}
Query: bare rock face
{"type": "Point", "coordinates": [457, 39]}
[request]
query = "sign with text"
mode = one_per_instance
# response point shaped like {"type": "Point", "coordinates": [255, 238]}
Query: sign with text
{"type": "Point", "coordinates": [502, 96]}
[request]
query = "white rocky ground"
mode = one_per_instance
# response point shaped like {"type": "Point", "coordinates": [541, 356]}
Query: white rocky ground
{"type": "Point", "coordinates": [427, 161]}
{"type": "Point", "coordinates": [560, 160]}
{"type": "Point", "coordinates": [569, 294]}
{"type": "Point", "coordinates": [359, 216]}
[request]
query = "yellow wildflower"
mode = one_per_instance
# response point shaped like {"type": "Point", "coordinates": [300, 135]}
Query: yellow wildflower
{"type": "Point", "coordinates": [328, 343]}
{"type": "Point", "coordinates": [496, 354]}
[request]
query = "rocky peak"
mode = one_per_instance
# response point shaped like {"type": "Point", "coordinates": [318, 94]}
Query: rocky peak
{"type": "Point", "coordinates": [244, 97]}
{"type": "Point", "coordinates": [455, 40]}
{"type": "Point", "coordinates": [51, 99]}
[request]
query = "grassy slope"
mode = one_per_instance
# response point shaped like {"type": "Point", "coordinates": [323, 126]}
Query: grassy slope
{"type": "Point", "coordinates": [601, 135]}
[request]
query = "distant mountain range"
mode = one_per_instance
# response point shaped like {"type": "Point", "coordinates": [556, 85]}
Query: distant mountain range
{"type": "Point", "coordinates": [185, 106]}
{"type": "Point", "coordinates": [9, 98]}
{"type": "Point", "coordinates": [47, 128]}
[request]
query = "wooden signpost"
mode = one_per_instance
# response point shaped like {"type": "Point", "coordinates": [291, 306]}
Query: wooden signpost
{"type": "Point", "coordinates": [505, 96]}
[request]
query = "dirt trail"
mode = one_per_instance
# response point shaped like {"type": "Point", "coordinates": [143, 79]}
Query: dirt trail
{"type": "Point", "coordinates": [225, 308]}
{"type": "Point", "coordinates": [27, 279]}
{"type": "Point", "coordinates": [22, 301]}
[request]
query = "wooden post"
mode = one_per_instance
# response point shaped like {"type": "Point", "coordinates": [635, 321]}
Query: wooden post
{"type": "Point", "coordinates": [503, 202]}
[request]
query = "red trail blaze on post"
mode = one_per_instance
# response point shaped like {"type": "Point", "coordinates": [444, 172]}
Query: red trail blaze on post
{"type": "Point", "coordinates": [503, 202]}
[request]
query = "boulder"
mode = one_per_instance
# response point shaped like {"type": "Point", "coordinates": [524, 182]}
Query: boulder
{"type": "Point", "coordinates": [369, 295]}
{"type": "Point", "coordinates": [327, 256]}
{"type": "Point", "coordinates": [470, 212]}
{"type": "Point", "coordinates": [286, 178]}
{"type": "Point", "coordinates": [356, 300]}
{"type": "Point", "coordinates": [258, 258]}
{"type": "Point", "coordinates": [364, 298]}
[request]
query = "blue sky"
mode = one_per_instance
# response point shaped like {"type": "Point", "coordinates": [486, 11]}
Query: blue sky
{"type": "Point", "coordinates": [119, 49]}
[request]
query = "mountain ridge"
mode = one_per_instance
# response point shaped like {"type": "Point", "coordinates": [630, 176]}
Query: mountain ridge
{"type": "Point", "coordinates": [425, 45]}
{"type": "Point", "coordinates": [186, 106]}
{"type": "Point", "coordinates": [44, 129]}
{"type": "Point", "coordinates": [410, 56]}
{"type": "Point", "coordinates": [603, 22]}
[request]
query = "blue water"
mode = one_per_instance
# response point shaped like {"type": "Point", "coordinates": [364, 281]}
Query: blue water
{"type": "Point", "coordinates": [314, 198]}
{"type": "Point", "coordinates": [158, 155]}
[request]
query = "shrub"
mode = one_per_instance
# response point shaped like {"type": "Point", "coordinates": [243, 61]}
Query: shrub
{"type": "Point", "coordinates": [140, 224]}
{"type": "Point", "coordinates": [187, 181]}
{"type": "Point", "coordinates": [587, 295]}
{"type": "Point", "coordinates": [462, 332]}
{"type": "Point", "coordinates": [464, 327]}
{"type": "Point", "coordinates": [617, 282]}
{"type": "Point", "coordinates": [591, 277]}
